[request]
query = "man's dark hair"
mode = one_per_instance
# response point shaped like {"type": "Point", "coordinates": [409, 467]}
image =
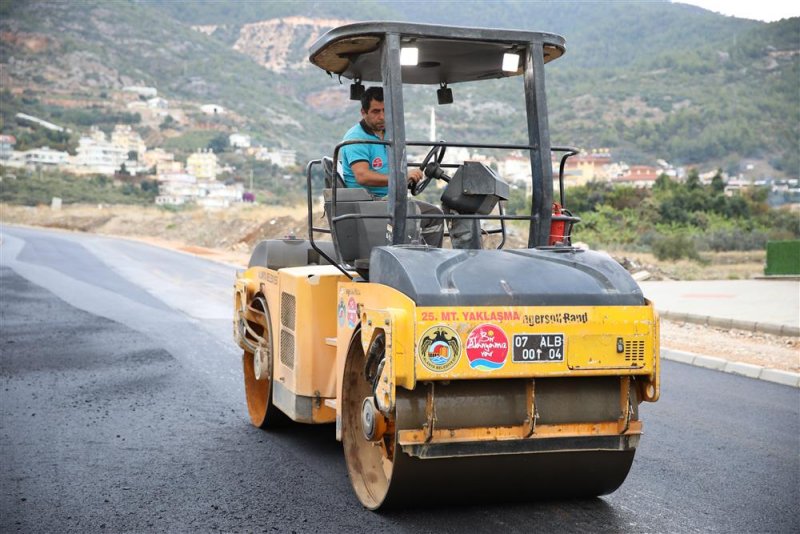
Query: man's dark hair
{"type": "Point", "coordinates": [373, 93]}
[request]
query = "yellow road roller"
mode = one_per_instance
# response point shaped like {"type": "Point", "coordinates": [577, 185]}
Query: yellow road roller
{"type": "Point", "coordinates": [466, 371]}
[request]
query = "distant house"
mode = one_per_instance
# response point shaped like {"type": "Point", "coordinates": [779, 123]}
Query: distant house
{"type": "Point", "coordinates": [149, 92]}
{"type": "Point", "coordinates": [124, 136]}
{"type": "Point", "coordinates": [179, 189]}
{"type": "Point", "coordinates": [7, 143]}
{"type": "Point", "coordinates": [163, 161]}
{"type": "Point", "coordinates": [277, 156]}
{"type": "Point", "coordinates": [44, 156]}
{"type": "Point", "coordinates": [157, 103]}
{"type": "Point", "coordinates": [203, 164]}
{"type": "Point", "coordinates": [97, 155]}
{"type": "Point", "coordinates": [638, 176]}
{"type": "Point", "coordinates": [212, 109]}
{"type": "Point", "coordinates": [238, 140]}
{"type": "Point", "coordinates": [584, 167]}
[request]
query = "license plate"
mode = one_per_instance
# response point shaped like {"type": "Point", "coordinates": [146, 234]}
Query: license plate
{"type": "Point", "coordinates": [533, 348]}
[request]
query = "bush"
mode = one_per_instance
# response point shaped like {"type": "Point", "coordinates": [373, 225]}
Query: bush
{"type": "Point", "coordinates": [674, 247]}
{"type": "Point", "coordinates": [734, 239]}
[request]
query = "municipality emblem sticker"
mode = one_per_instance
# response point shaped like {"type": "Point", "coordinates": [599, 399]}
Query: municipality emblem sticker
{"type": "Point", "coordinates": [439, 349]}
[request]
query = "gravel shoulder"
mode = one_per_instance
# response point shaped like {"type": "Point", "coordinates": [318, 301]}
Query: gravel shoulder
{"type": "Point", "coordinates": [766, 350]}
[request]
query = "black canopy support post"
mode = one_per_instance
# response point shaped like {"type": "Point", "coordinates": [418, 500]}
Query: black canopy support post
{"type": "Point", "coordinates": [395, 124]}
{"type": "Point", "coordinates": [539, 140]}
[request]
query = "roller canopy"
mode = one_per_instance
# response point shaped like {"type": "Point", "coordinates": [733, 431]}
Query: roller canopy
{"type": "Point", "coordinates": [447, 54]}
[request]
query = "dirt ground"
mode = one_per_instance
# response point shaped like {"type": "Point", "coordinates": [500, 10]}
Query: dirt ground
{"type": "Point", "coordinates": [229, 236]}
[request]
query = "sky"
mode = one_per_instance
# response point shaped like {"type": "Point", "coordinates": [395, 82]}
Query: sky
{"type": "Point", "coordinates": [766, 10]}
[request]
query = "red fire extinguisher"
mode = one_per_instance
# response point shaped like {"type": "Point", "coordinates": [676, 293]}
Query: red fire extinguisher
{"type": "Point", "coordinates": [557, 227]}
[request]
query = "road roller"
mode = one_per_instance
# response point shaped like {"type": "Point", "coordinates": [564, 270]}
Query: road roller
{"type": "Point", "coordinates": [469, 371]}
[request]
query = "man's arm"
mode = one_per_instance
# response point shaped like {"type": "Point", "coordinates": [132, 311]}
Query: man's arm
{"type": "Point", "coordinates": [365, 176]}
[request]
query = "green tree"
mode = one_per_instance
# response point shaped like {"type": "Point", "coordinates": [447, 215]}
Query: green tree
{"type": "Point", "coordinates": [218, 143]}
{"type": "Point", "coordinates": [693, 180]}
{"type": "Point", "coordinates": [717, 184]}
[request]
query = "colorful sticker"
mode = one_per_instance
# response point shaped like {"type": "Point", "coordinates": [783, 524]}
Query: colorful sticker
{"type": "Point", "coordinates": [487, 347]}
{"type": "Point", "coordinates": [341, 312]}
{"type": "Point", "coordinates": [352, 312]}
{"type": "Point", "coordinates": [439, 348]}
{"type": "Point", "coordinates": [377, 163]}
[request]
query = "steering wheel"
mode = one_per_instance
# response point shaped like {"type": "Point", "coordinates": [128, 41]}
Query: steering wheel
{"type": "Point", "coordinates": [436, 153]}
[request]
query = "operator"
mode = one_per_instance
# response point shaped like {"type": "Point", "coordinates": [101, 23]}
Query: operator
{"type": "Point", "coordinates": [367, 165]}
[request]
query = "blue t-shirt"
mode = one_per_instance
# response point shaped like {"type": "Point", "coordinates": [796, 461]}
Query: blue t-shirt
{"type": "Point", "coordinates": [375, 155]}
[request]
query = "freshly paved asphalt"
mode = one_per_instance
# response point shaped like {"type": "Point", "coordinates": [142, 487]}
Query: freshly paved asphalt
{"type": "Point", "coordinates": [122, 410]}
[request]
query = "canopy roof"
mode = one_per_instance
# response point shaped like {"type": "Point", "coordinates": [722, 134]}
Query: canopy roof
{"type": "Point", "coordinates": [447, 54]}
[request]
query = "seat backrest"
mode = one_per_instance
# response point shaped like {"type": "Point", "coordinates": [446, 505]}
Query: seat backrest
{"type": "Point", "coordinates": [290, 252]}
{"type": "Point", "coordinates": [331, 173]}
{"type": "Point", "coordinates": [355, 238]}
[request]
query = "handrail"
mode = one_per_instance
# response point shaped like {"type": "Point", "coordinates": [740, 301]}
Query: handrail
{"type": "Point", "coordinates": [570, 151]}
{"type": "Point", "coordinates": [502, 217]}
{"type": "Point", "coordinates": [311, 227]}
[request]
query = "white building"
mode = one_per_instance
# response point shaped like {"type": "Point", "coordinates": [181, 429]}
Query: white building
{"type": "Point", "coordinates": [277, 156]}
{"type": "Point", "coordinates": [238, 140]}
{"type": "Point", "coordinates": [44, 156]}
{"type": "Point", "coordinates": [218, 195]}
{"type": "Point", "coordinates": [96, 155]}
{"type": "Point", "coordinates": [179, 189]}
{"type": "Point", "coordinates": [176, 189]}
{"type": "Point", "coordinates": [157, 103]}
{"type": "Point", "coordinates": [212, 109]}
{"type": "Point", "coordinates": [149, 92]}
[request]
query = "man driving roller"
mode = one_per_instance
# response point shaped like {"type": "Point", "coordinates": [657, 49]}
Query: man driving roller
{"type": "Point", "coordinates": [367, 165]}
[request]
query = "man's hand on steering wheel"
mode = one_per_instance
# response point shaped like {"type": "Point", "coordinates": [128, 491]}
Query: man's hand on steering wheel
{"type": "Point", "coordinates": [435, 155]}
{"type": "Point", "coordinates": [415, 175]}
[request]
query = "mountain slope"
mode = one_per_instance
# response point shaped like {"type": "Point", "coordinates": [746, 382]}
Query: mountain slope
{"type": "Point", "coordinates": [648, 80]}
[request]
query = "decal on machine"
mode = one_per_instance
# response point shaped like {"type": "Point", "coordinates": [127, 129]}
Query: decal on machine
{"type": "Point", "coordinates": [487, 347]}
{"type": "Point", "coordinates": [439, 348]}
{"type": "Point", "coordinates": [497, 316]}
{"type": "Point", "coordinates": [269, 277]}
{"type": "Point", "coordinates": [556, 318]}
{"type": "Point", "coordinates": [352, 312]}
{"type": "Point", "coordinates": [341, 312]}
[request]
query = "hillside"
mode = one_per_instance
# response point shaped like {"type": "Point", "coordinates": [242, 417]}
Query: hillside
{"type": "Point", "coordinates": [648, 80]}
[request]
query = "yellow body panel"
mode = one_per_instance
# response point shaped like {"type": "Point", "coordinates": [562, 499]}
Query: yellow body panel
{"type": "Point", "coordinates": [591, 335]}
{"type": "Point", "coordinates": [375, 306]}
{"type": "Point", "coordinates": [590, 339]}
{"type": "Point", "coordinates": [319, 310]}
{"type": "Point", "coordinates": [309, 371]}
{"type": "Point", "coordinates": [302, 312]}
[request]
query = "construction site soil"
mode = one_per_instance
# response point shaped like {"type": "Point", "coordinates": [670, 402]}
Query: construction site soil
{"type": "Point", "coordinates": [229, 235]}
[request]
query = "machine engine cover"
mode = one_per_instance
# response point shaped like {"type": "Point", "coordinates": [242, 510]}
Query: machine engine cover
{"type": "Point", "coordinates": [524, 277]}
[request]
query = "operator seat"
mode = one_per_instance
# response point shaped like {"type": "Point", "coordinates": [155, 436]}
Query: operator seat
{"type": "Point", "coordinates": [354, 238]}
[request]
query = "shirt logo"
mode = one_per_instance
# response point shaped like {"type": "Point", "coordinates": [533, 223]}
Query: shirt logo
{"type": "Point", "coordinates": [377, 163]}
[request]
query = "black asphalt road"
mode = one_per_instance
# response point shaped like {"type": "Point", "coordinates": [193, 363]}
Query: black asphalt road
{"type": "Point", "coordinates": [123, 411]}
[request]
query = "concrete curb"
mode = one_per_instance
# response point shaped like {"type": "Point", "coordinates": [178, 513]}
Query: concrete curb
{"type": "Point", "coordinates": [719, 322]}
{"type": "Point", "coordinates": [786, 378]}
